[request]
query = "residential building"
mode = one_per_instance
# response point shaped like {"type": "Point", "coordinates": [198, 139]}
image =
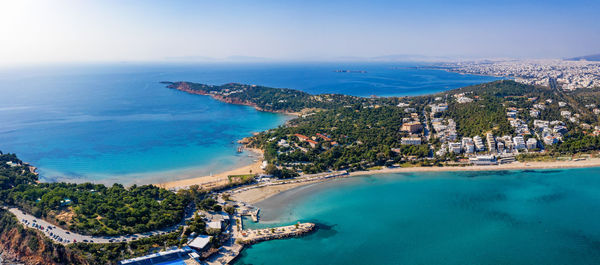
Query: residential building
{"type": "Point", "coordinates": [500, 146]}
{"type": "Point", "coordinates": [454, 147]}
{"type": "Point", "coordinates": [411, 140]}
{"type": "Point", "coordinates": [301, 137]}
{"type": "Point", "coordinates": [531, 143]}
{"type": "Point", "coordinates": [468, 146]}
{"type": "Point", "coordinates": [412, 127]}
{"type": "Point", "coordinates": [550, 140]}
{"type": "Point", "coordinates": [478, 141]}
{"type": "Point", "coordinates": [565, 113]}
{"type": "Point", "coordinates": [519, 142]}
{"type": "Point", "coordinates": [491, 142]}
{"type": "Point", "coordinates": [312, 143]}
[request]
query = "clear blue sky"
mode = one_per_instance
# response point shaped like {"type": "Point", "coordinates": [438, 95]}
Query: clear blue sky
{"type": "Point", "coordinates": [111, 30]}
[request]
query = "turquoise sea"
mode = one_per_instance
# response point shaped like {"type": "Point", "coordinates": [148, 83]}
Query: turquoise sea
{"type": "Point", "coordinates": [117, 123]}
{"type": "Point", "coordinates": [504, 217]}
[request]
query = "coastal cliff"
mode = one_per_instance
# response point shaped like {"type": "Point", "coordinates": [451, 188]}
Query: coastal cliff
{"type": "Point", "coordinates": [29, 247]}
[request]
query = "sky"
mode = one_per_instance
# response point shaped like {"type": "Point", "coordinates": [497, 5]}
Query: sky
{"type": "Point", "coordinates": [42, 31]}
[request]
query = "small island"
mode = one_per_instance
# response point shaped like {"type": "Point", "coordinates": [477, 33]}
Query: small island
{"type": "Point", "coordinates": [351, 71]}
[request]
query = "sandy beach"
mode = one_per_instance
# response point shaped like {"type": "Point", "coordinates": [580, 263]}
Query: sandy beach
{"type": "Point", "coordinates": [219, 178]}
{"type": "Point", "coordinates": [259, 194]}
{"type": "Point", "coordinates": [253, 196]}
{"type": "Point", "coordinates": [590, 162]}
{"type": "Point", "coordinates": [262, 193]}
{"type": "Point", "coordinates": [214, 180]}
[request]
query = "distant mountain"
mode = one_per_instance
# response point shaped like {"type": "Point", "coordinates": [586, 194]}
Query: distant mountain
{"type": "Point", "coordinates": [394, 58]}
{"type": "Point", "coordinates": [409, 57]}
{"type": "Point", "coordinates": [594, 57]}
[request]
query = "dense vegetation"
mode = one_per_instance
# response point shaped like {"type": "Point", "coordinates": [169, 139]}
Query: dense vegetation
{"type": "Point", "coordinates": [577, 143]}
{"type": "Point", "coordinates": [112, 253]}
{"type": "Point", "coordinates": [488, 112]}
{"type": "Point", "coordinates": [95, 209]}
{"type": "Point", "coordinates": [12, 176]}
{"type": "Point", "coordinates": [91, 208]}
{"type": "Point", "coordinates": [273, 99]}
{"type": "Point", "coordinates": [365, 136]}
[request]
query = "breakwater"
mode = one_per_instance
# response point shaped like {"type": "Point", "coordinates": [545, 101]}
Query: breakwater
{"type": "Point", "coordinates": [250, 236]}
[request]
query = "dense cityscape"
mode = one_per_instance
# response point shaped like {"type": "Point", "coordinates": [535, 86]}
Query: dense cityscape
{"type": "Point", "coordinates": [564, 74]}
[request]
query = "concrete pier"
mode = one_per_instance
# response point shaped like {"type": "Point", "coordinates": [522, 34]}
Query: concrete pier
{"type": "Point", "coordinates": [248, 237]}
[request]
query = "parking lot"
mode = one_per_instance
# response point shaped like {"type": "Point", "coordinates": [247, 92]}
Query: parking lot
{"type": "Point", "coordinates": [62, 236]}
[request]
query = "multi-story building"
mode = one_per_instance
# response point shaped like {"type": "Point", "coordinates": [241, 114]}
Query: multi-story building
{"type": "Point", "coordinates": [411, 140]}
{"type": "Point", "coordinates": [519, 142]}
{"type": "Point", "coordinates": [478, 141]}
{"type": "Point", "coordinates": [531, 143]}
{"type": "Point", "coordinates": [500, 146]}
{"type": "Point", "coordinates": [491, 142]}
{"type": "Point", "coordinates": [454, 147]}
{"type": "Point", "coordinates": [412, 127]}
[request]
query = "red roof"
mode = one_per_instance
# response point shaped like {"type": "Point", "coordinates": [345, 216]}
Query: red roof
{"type": "Point", "coordinates": [324, 137]}
{"type": "Point", "coordinates": [302, 136]}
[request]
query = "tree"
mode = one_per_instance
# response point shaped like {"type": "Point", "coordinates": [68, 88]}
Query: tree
{"type": "Point", "coordinates": [230, 209]}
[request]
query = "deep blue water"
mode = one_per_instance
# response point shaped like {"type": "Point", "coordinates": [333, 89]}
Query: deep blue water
{"type": "Point", "coordinates": [511, 217]}
{"type": "Point", "coordinates": [116, 122]}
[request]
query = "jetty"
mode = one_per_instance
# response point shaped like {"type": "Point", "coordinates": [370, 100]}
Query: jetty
{"type": "Point", "coordinates": [253, 236]}
{"type": "Point", "coordinates": [231, 250]}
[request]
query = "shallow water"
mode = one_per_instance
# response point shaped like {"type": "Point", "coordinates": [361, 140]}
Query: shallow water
{"type": "Point", "coordinates": [510, 217]}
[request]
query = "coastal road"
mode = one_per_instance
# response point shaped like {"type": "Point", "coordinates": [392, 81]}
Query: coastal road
{"type": "Point", "coordinates": [62, 236]}
{"type": "Point", "coordinates": [427, 130]}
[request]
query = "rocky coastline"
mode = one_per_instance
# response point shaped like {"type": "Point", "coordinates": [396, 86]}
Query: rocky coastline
{"type": "Point", "coordinates": [185, 87]}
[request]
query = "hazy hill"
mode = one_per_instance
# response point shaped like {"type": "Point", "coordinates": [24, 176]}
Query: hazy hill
{"type": "Point", "coordinates": [593, 57]}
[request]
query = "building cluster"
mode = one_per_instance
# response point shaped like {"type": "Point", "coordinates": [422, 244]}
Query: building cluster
{"type": "Point", "coordinates": [313, 142]}
{"type": "Point", "coordinates": [550, 131]}
{"type": "Point", "coordinates": [491, 149]}
{"type": "Point", "coordinates": [412, 126]}
{"type": "Point", "coordinates": [445, 129]}
{"type": "Point", "coordinates": [568, 75]}
{"type": "Point", "coordinates": [524, 139]}
{"type": "Point", "coordinates": [461, 98]}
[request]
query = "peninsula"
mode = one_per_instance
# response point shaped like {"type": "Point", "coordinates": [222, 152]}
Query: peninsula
{"type": "Point", "coordinates": [489, 124]}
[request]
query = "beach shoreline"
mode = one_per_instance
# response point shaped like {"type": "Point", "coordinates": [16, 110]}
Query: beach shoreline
{"type": "Point", "coordinates": [217, 179]}
{"type": "Point", "coordinates": [257, 195]}
{"type": "Point", "coordinates": [591, 162]}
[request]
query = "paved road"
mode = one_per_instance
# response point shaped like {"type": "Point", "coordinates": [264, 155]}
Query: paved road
{"type": "Point", "coordinates": [62, 236]}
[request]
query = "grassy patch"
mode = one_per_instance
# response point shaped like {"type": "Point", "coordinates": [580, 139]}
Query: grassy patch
{"type": "Point", "coordinates": [240, 178]}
